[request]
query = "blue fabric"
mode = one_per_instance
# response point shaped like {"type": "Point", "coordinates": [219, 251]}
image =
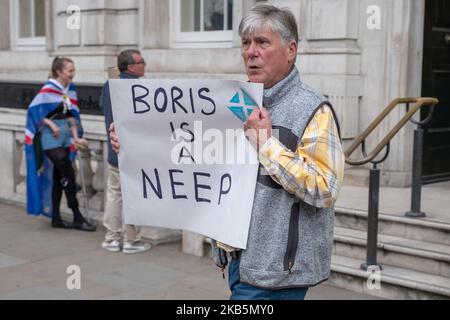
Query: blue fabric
{"type": "Point", "coordinates": [105, 104]}
{"type": "Point", "coordinates": [48, 140]}
{"type": "Point", "coordinates": [243, 291]}
{"type": "Point", "coordinates": [39, 167]}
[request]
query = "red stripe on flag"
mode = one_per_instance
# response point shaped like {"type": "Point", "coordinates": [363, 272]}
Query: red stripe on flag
{"type": "Point", "coordinates": [48, 90]}
{"type": "Point", "coordinates": [28, 140]}
{"type": "Point", "coordinates": [75, 102]}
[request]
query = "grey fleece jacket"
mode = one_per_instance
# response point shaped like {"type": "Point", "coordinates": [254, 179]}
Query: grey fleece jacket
{"type": "Point", "coordinates": [290, 241]}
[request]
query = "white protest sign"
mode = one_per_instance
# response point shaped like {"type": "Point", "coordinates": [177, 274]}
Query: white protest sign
{"type": "Point", "coordinates": [184, 160]}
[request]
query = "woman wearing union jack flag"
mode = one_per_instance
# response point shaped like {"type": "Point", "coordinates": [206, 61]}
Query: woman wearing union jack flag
{"type": "Point", "coordinates": [53, 131]}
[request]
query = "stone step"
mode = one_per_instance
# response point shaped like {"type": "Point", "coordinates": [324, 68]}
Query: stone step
{"type": "Point", "coordinates": [405, 253]}
{"type": "Point", "coordinates": [408, 228]}
{"type": "Point", "coordinates": [395, 283]}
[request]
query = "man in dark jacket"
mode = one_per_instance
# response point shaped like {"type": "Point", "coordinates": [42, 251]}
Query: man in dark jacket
{"type": "Point", "coordinates": [131, 66]}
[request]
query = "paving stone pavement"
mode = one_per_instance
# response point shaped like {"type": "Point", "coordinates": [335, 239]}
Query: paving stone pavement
{"type": "Point", "coordinates": [34, 259]}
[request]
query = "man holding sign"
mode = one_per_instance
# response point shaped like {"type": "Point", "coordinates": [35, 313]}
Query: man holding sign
{"type": "Point", "coordinates": [297, 137]}
{"type": "Point", "coordinates": [185, 162]}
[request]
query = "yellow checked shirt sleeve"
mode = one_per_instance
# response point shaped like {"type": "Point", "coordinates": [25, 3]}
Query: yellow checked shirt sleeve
{"type": "Point", "coordinates": [315, 172]}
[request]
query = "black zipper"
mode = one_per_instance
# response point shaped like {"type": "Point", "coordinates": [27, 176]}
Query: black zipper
{"type": "Point", "coordinates": [292, 245]}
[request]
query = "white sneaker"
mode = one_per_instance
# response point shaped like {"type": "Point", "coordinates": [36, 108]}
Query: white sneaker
{"type": "Point", "coordinates": [135, 247]}
{"type": "Point", "coordinates": [112, 246]}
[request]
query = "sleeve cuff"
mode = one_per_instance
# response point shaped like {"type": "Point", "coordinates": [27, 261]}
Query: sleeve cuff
{"type": "Point", "coordinates": [271, 149]}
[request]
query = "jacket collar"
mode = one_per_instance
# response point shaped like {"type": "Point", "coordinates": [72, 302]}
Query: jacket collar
{"type": "Point", "coordinates": [274, 95]}
{"type": "Point", "coordinates": [126, 75]}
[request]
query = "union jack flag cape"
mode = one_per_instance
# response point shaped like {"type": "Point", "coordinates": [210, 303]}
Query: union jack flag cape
{"type": "Point", "coordinates": [39, 167]}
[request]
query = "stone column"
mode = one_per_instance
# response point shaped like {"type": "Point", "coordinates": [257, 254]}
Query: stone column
{"type": "Point", "coordinates": [84, 156]}
{"type": "Point", "coordinates": [154, 24]}
{"type": "Point", "coordinates": [49, 25]}
{"type": "Point", "coordinates": [20, 168]}
{"type": "Point", "coordinates": [4, 26]}
{"type": "Point", "coordinates": [7, 168]}
{"type": "Point", "coordinates": [98, 181]}
{"type": "Point", "coordinates": [105, 28]}
{"type": "Point", "coordinates": [193, 244]}
{"type": "Point", "coordinates": [330, 57]}
{"type": "Point", "coordinates": [392, 60]}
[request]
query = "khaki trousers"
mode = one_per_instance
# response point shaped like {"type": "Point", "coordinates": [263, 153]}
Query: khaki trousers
{"type": "Point", "coordinates": [112, 220]}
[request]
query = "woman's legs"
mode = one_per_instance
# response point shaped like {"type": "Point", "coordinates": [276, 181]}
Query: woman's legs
{"type": "Point", "coordinates": [64, 179]}
{"type": "Point", "coordinates": [56, 197]}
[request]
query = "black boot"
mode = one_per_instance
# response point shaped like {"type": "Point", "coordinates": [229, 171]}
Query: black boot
{"type": "Point", "coordinates": [84, 226]}
{"type": "Point", "coordinates": [57, 222]}
{"type": "Point", "coordinates": [61, 225]}
{"type": "Point", "coordinates": [80, 223]}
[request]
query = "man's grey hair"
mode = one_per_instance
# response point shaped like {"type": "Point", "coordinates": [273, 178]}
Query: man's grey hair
{"type": "Point", "coordinates": [279, 20]}
{"type": "Point", "coordinates": [125, 59]}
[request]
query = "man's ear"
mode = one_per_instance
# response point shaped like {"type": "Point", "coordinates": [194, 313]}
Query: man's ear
{"type": "Point", "coordinates": [292, 50]}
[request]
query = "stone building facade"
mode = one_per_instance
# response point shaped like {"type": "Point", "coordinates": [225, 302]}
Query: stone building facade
{"type": "Point", "coordinates": [361, 54]}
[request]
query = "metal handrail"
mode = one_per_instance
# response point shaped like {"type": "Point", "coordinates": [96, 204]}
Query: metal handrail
{"type": "Point", "coordinates": [360, 140]}
{"type": "Point", "coordinates": [374, 176]}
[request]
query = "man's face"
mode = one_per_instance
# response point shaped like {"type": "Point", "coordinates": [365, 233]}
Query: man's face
{"type": "Point", "coordinates": [267, 59]}
{"type": "Point", "coordinates": [138, 68]}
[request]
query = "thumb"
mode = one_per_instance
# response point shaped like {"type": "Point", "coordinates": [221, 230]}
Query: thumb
{"type": "Point", "coordinates": [256, 114]}
{"type": "Point", "coordinates": [265, 114]}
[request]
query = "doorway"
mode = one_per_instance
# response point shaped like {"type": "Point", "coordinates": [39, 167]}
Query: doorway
{"type": "Point", "coordinates": [436, 83]}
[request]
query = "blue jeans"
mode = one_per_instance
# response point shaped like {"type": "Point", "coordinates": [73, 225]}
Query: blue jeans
{"type": "Point", "coordinates": [49, 142]}
{"type": "Point", "coordinates": [242, 291]}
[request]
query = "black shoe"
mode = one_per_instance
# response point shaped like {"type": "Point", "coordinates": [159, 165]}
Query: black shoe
{"type": "Point", "coordinates": [61, 225]}
{"type": "Point", "coordinates": [84, 226]}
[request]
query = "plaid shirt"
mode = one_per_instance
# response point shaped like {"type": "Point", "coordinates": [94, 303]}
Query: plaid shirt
{"type": "Point", "coordinates": [315, 172]}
